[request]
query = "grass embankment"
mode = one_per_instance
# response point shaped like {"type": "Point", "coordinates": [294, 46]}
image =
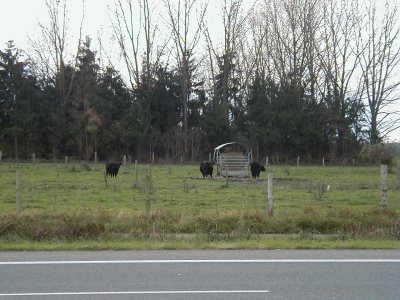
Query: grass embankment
{"type": "Point", "coordinates": [68, 207]}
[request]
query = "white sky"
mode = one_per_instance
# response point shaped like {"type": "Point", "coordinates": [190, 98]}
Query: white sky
{"type": "Point", "coordinates": [19, 20]}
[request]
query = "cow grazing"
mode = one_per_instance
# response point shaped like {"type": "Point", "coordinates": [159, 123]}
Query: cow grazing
{"type": "Point", "coordinates": [255, 168]}
{"type": "Point", "coordinates": [112, 169]}
{"type": "Point", "coordinates": [206, 168]}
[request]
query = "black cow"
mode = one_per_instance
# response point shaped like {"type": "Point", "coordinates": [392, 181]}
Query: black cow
{"type": "Point", "coordinates": [256, 168]}
{"type": "Point", "coordinates": [206, 168]}
{"type": "Point", "coordinates": [112, 169]}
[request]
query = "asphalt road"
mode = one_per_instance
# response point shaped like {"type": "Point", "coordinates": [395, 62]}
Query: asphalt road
{"type": "Point", "coordinates": [273, 274]}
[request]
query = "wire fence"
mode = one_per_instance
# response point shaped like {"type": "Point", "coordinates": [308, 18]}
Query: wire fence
{"type": "Point", "coordinates": [58, 186]}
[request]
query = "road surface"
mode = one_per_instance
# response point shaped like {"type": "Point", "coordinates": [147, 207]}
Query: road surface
{"type": "Point", "coordinates": [270, 274]}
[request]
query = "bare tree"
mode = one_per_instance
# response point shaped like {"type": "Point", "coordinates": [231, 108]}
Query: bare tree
{"type": "Point", "coordinates": [292, 29]}
{"type": "Point", "coordinates": [136, 33]}
{"type": "Point", "coordinates": [223, 61]}
{"type": "Point", "coordinates": [335, 46]}
{"type": "Point", "coordinates": [259, 31]}
{"type": "Point", "coordinates": [50, 51]}
{"type": "Point", "coordinates": [180, 15]}
{"type": "Point", "coordinates": [380, 61]}
{"type": "Point", "coordinates": [53, 60]}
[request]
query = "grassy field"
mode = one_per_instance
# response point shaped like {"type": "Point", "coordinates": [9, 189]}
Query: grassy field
{"type": "Point", "coordinates": [67, 206]}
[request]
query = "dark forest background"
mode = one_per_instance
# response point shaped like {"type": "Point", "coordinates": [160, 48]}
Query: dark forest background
{"type": "Point", "coordinates": [172, 111]}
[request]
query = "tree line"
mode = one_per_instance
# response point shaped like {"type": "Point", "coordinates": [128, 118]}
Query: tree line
{"type": "Point", "coordinates": [289, 78]}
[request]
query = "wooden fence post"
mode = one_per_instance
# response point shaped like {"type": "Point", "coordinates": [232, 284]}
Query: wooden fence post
{"type": "Point", "coordinates": [124, 160]}
{"type": "Point", "coordinates": [95, 159]}
{"type": "Point", "coordinates": [271, 195]}
{"type": "Point", "coordinates": [136, 174]}
{"type": "Point", "coordinates": [0, 155]}
{"type": "Point", "coordinates": [66, 160]}
{"type": "Point", "coordinates": [105, 177]}
{"type": "Point", "coordinates": [19, 192]}
{"type": "Point", "coordinates": [266, 161]}
{"type": "Point", "coordinates": [226, 176]}
{"type": "Point", "coordinates": [398, 175]}
{"type": "Point", "coordinates": [384, 187]}
{"type": "Point", "coordinates": [147, 191]}
{"type": "Point", "coordinates": [298, 160]}
{"type": "Point", "coordinates": [323, 161]}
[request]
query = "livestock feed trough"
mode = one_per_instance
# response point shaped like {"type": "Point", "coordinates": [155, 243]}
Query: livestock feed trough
{"type": "Point", "coordinates": [233, 159]}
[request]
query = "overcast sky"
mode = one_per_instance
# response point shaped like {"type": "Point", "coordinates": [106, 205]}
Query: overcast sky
{"type": "Point", "coordinates": [19, 19]}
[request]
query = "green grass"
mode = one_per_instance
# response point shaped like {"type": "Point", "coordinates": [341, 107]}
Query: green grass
{"type": "Point", "coordinates": [200, 242]}
{"type": "Point", "coordinates": [68, 207]}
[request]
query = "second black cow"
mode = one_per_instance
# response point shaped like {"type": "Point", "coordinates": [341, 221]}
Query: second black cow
{"type": "Point", "coordinates": [112, 169]}
{"type": "Point", "coordinates": [206, 168]}
{"type": "Point", "coordinates": [255, 168]}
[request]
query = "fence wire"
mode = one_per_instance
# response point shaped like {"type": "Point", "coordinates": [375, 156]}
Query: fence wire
{"type": "Point", "coordinates": [57, 186]}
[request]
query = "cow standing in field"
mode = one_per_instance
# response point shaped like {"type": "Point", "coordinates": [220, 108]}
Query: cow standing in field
{"type": "Point", "coordinates": [112, 169]}
{"type": "Point", "coordinates": [206, 168]}
{"type": "Point", "coordinates": [255, 168]}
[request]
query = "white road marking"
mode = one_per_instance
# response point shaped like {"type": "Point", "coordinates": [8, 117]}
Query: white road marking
{"type": "Point", "coordinates": [177, 261]}
{"type": "Point", "coordinates": [135, 292]}
{"type": "Point", "coordinates": [200, 261]}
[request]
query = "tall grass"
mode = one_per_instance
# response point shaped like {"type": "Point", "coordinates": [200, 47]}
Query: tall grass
{"type": "Point", "coordinates": [86, 224]}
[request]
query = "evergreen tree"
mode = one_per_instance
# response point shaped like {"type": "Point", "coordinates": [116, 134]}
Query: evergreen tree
{"type": "Point", "coordinates": [83, 117]}
{"type": "Point", "coordinates": [115, 108]}
{"type": "Point", "coordinates": [19, 127]}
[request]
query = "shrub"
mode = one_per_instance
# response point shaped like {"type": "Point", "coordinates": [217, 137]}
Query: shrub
{"type": "Point", "coordinates": [382, 154]}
